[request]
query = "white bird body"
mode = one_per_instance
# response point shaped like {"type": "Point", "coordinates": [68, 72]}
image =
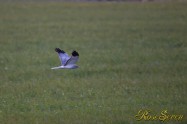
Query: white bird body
{"type": "Point", "coordinates": [67, 62]}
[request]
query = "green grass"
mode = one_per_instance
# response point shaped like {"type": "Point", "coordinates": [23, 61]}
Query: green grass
{"type": "Point", "coordinates": [132, 56]}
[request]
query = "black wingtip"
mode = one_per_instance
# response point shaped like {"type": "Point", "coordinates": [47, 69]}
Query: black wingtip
{"type": "Point", "coordinates": [75, 53]}
{"type": "Point", "coordinates": [59, 50]}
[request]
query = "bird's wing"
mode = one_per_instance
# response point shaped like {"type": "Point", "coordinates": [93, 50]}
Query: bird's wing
{"type": "Point", "coordinates": [63, 56]}
{"type": "Point", "coordinates": [73, 59]}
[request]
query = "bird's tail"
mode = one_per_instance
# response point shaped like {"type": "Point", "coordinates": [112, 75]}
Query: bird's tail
{"type": "Point", "coordinates": [55, 68]}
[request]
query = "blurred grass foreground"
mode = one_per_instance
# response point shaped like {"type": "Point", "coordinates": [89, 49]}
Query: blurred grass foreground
{"type": "Point", "coordinates": [132, 56]}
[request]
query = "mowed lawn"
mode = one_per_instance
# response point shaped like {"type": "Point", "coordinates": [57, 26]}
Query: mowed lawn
{"type": "Point", "coordinates": [133, 56]}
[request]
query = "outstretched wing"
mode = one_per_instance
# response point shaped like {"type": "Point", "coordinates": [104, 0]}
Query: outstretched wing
{"type": "Point", "coordinates": [73, 59]}
{"type": "Point", "coordinates": [63, 56]}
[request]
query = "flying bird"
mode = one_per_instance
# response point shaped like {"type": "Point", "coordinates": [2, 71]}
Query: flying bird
{"type": "Point", "coordinates": [67, 62]}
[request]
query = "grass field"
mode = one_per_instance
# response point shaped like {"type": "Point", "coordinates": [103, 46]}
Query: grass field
{"type": "Point", "coordinates": [133, 56]}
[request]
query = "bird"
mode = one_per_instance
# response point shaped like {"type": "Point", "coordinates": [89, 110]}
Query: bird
{"type": "Point", "coordinates": [67, 62]}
